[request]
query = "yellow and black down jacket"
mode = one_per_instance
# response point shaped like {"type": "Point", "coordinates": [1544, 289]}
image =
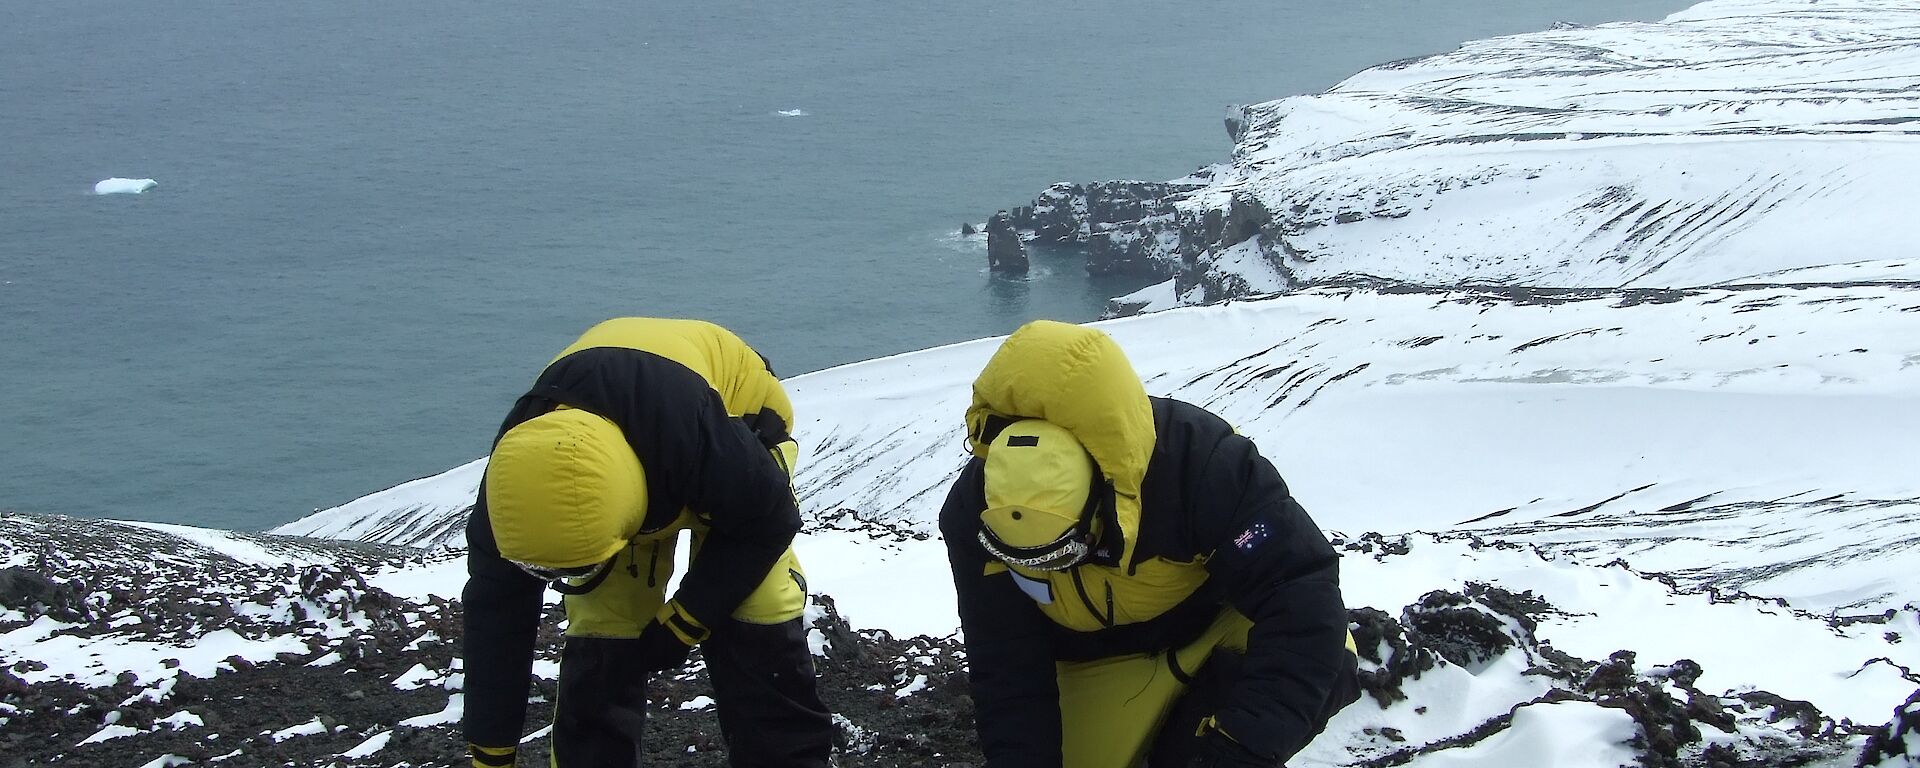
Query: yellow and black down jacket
{"type": "Point", "coordinates": [701, 409]}
{"type": "Point", "coordinates": [1196, 521]}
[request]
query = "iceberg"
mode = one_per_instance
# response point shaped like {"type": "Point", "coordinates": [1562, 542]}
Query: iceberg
{"type": "Point", "coordinates": [120, 186]}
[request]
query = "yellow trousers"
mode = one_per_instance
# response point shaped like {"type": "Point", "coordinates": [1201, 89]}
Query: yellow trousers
{"type": "Point", "coordinates": [633, 593]}
{"type": "Point", "coordinates": [1111, 709]}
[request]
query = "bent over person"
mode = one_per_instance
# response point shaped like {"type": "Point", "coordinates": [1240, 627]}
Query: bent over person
{"type": "Point", "coordinates": [640, 429]}
{"type": "Point", "coordinates": [1135, 581]}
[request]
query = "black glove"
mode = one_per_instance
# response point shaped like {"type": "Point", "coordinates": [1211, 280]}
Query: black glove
{"type": "Point", "coordinates": [660, 650]}
{"type": "Point", "coordinates": [1221, 751]}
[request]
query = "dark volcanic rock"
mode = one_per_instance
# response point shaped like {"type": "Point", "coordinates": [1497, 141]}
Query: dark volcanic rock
{"type": "Point", "coordinates": [1118, 223]}
{"type": "Point", "coordinates": [1456, 629]}
{"type": "Point", "coordinates": [1389, 659]}
{"type": "Point", "coordinates": [1892, 744]}
{"type": "Point", "coordinates": [1005, 253]}
{"type": "Point", "coordinates": [33, 594]}
{"type": "Point", "coordinates": [1665, 724]}
{"type": "Point", "coordinates": [1139, 228]}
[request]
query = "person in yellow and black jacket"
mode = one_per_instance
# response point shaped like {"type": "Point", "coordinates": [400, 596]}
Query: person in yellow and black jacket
{"type": "Point", "coordinates": [1135, 582]}
{"type": "Point", "coordinates": [641, 429]}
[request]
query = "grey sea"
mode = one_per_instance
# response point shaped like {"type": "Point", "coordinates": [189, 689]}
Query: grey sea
{"type": "Point", "coordinates": [375, 221]}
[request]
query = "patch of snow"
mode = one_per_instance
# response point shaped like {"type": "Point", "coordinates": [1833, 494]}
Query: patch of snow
{"type": "Point", "coordinates": [916, 685]}
{"type": "Point", "coordinates": [109, 732]}
{"type": "Point", "coordinates": [97, 661]}
{"type": "Point", "coordinates": [1153, 298]}
{"type": "Point", "coordinates": [310, 728]}
{"type": "Point", "coordinates": [180, 720]}
{"type": "Point", "coordinates": [448, 716]}
{"type": "Point", "coordinates": [1574, 734]}
{"type": "Point", "coordinates": [373, 744]}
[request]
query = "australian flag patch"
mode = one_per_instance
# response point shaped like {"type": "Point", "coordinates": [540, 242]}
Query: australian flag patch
{"type": "Point", "coordinates": [1252, 536]}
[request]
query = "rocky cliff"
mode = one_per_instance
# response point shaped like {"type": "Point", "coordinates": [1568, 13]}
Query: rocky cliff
{"type": "Point", "coordinates": [1731, 140]}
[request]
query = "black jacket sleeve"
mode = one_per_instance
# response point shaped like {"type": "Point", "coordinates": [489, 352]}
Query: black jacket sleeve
{"type": "Point", "coordinates": [1016, 697]}
{"type": "Point", "coordinates": [1277, 568]}
{"type": "Point", "coordinates": [501, 618]}
{"type": "Point", "coordinates": [746, 498]}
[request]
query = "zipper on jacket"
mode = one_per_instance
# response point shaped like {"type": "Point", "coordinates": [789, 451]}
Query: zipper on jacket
{"type": "Point", "coordinates": [1087, 600]}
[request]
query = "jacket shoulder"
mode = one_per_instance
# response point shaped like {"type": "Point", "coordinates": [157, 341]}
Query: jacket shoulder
{"type": "Point", "coordinates": [1177, 497]}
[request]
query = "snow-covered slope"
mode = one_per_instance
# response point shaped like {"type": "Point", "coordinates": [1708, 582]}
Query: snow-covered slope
{"type": "Point", "coordinates": [1735, 138]}
{"type": "Point", "coordinates": [1640, 460]}
{"type": "Point", "coordinates": [426, 512]}
{"type": "Point", "coordinates": [1601, 359]}
{"type": "Point", "coordinates": [1754, 438]}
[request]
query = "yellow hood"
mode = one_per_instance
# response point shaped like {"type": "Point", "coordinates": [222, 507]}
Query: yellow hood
{"type": "Point", "coordinates": [1077, 378]}
{"type": "Point", "coordinates": [564, 490]}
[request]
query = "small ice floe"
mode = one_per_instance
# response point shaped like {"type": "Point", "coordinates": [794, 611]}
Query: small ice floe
{"type": "Point", "coordinates": [793, 113]}
{"type": "Point", "coordinates": [120, 186]}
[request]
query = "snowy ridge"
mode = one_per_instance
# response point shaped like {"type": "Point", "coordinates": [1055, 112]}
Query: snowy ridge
{"type": "Point", "coordinates": [1731, 140]}
{"type": "Point", "coordinates": [426, 512]}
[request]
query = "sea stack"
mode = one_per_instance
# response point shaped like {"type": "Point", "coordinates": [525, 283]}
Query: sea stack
{"type": "Point", "coordinates": [1005, 253]}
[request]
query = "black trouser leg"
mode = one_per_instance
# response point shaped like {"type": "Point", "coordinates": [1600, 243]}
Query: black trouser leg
{"type": "Point", "coordinates": [769, 705]}
{"type": "Point", "coordinates": [602, 708]}
{"type": "Point", "coordinates": [1177, 745]}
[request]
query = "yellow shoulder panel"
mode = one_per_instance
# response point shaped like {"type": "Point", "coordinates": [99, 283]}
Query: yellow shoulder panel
{"type": "Point", "coordinates": [726, 362]}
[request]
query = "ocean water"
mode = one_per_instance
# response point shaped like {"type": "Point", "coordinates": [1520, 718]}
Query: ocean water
{"type": "Point", "coordinates": [375, 221]}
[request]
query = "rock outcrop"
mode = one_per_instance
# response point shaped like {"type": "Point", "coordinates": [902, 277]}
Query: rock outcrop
{"type": "Point", "coordinates": [1006, 255]}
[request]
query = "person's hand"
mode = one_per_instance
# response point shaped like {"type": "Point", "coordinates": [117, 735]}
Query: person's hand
{"type": "Point", "coordinates": [660, 649]}
{"type": "Point", "coordinates": [1221, 751]}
